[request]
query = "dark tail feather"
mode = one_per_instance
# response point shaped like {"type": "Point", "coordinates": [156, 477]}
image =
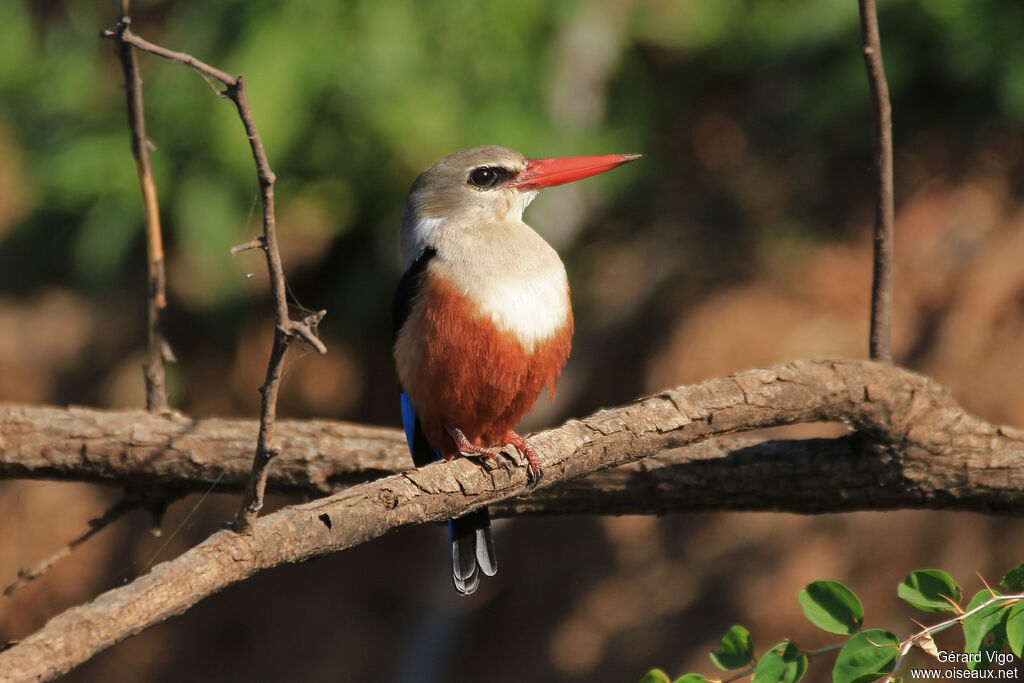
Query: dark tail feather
{"type": "Point", "coordinates": [485, 556]}
{"type": "Point", "coordinates": [472, 550]}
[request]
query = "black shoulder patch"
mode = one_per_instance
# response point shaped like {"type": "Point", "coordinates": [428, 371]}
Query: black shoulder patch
{"type": "Point", "coordinates": [409, 287]}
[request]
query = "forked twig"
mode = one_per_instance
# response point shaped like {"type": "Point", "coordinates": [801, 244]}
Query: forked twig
{"type": "Point", "coordinates": [285, 329]}
{"type": "Point", "coordinates": [880, 342]}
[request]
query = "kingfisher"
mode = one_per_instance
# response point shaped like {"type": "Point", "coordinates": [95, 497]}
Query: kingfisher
{"type": "Point", "coordinates": [482, 318]}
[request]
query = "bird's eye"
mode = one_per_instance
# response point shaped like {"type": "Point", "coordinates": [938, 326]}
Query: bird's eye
{"type": "Point", "coordinates": [484, 177]}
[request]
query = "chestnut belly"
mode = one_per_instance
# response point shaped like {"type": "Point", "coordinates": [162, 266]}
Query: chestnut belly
{"type": "Point", "coordinates": [461, 370]}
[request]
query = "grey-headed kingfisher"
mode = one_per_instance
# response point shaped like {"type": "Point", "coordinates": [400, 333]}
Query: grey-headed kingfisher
{"type": "Point", "coordinates": [482, 319]}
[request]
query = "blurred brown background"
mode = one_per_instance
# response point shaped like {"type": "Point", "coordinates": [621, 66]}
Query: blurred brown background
{"type": "Point", "coordinates": [740, 239]}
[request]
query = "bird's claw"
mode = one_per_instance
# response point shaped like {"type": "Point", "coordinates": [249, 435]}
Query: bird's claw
{"type": "Point", "coordinates": [487, 459]}
{"type": "Point", "coordinates": [534, 471]}
{"type": "Point", "coordinates": [471, 450]}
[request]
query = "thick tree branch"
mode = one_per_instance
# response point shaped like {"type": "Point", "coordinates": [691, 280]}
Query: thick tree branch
{"type": "Point", "coordinates": [174, 454]}
{"type": "Point", "coordinates": [944, 456]}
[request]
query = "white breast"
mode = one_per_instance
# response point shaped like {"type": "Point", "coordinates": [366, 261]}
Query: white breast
{"type": "Point", "coordinates": [532, 310]}
{"type": "Point", "coordinates": [512, 275]}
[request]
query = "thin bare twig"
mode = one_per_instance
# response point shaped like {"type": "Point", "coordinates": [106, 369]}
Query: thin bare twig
{"type": "Point", "coordinates": [306, 327]}
{"type": "Point", "coordinates": [882, 278]}
{"type": "Point", "coordinates": [159, 350]}
{"type": "Point", "coordinates": [155, 503]}
{"type": "Point", "coordinates": [252, 244]}
{"type": "Point", "coordinates": [141, 43]}
{"type": "Point", "coordinates": [26, 576]}
{"type": "Point", "coordinates": [285, 329]}
{"type": "Point", "coordinates": [252, 500]}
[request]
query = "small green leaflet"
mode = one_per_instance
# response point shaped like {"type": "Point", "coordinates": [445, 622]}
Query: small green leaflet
{"type": "Point", "coordinates": [1015, 629]}
{"type": "Point", "coordinates": [655, 676]}
{"type": "Point", "coordinates": [925, 588]}
{"type": "Point", "coordinates": [866, 657]}
{"type": "Point", "coordinates": [735, 650]}
{"type": "Point", "coordinates": [1014, 579]}
{"type": "Point", "coordinates": [985, 631]}
{"type": "Point", "coordinates": [784, 663]}
{"type": "Point", "coordinates": [692, 678]}
{"type": "Point", "coordinates": [832, 607]}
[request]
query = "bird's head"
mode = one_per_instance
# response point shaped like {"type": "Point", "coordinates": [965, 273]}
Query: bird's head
{"type": "Point", "coordinates": [485, 185]}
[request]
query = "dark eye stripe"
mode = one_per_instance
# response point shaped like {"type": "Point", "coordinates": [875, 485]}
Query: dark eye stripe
{"type": "Point", "coordinates": [488, 177]}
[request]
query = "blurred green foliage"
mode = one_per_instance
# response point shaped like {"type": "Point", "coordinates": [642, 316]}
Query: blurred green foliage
{"type": "Point", "coordinates": [354, 98]}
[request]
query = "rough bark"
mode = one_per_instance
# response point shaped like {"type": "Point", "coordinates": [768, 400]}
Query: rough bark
{"type": "Point", "coordinates": [927, 452]}
{"type": "Point", "coordinates": [137, 449]}
{"type": "Point", "coordinates": [175, 454]}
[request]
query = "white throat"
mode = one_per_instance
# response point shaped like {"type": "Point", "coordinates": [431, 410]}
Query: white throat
{"type": "Point", "coordinates": [422, 231]}
{"type": "Point", "coordinates": [416, 238]}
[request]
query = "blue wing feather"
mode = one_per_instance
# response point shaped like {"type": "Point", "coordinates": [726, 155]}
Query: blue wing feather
{"type": "Point", "coordinates": [422, 452]}
{"type": "Point", "coordinates": [408, 420]}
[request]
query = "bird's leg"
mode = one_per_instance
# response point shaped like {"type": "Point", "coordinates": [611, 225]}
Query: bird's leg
{"type": "Point", "coordinates": [524, 447]}
{"type": "Point", "coordinates": [471, 449]}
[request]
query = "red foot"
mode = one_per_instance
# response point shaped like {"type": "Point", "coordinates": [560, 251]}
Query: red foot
{"type": "Point", "coordinates": [524, 447]}
{"type": "Point", "coordinates": [467, 448]}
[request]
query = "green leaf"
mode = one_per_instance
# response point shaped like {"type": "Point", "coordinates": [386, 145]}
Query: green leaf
{"type": "Point", "coordinates": [735, 650]}
{"type": "Point", "coordinates": [784, 663]}
{"type": "Point", "coordinates": [985, 630]}
{"type": "Point", "coordinates": [927, 590]}
{"type": "Point", "coordinates": [692, 678]}
{"type": "Point", "coordinates": [1015, 629]}
{"type": "Point", "coordinates": [1014, 579]}
{"type": "Point", "coordinates": [832, 607]}
{"type": "Point", "coordinates": [866, 656]}
{"type": "Point", "coordinates": [655, 676]}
